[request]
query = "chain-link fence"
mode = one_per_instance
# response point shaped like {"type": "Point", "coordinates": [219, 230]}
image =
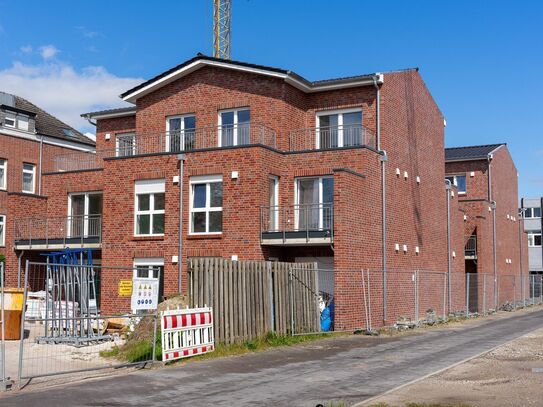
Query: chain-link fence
{"type": "Point", "coordinates": [367, 299]}
{"type": "Point", "coordinates": [67, 328]}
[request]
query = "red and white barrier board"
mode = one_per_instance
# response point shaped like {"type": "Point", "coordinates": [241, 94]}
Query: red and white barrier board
{"type": "Point", "coordinates": [186, 332]}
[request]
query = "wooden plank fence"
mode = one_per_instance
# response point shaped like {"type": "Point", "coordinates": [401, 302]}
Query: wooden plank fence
{"type": "Point", "coordinates": [252, 298]}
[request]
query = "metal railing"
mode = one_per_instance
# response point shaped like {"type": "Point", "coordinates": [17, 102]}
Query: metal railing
{"type": "Point", "coordinates": [61, 230]}
{"type": "Point", "coordinates": [75, 161]}
{"type": "Point", "coordinates": [318, 138]}
{"type": "Point", "coordinates": [297, 221]}
{"type": "Point", "coordinates": [470, 249]}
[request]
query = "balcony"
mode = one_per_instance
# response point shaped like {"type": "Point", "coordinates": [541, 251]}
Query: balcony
{"type": "Point", "coordinates": [76, 161]}
{"type": "Point", "coordinates": [83, 231]}
{"type": "Point", "coordinates": [470, 249]}
{"type": "Point", "coordinates": [324, 138]}
{"type": "Point", "coordinates": [297, 225]}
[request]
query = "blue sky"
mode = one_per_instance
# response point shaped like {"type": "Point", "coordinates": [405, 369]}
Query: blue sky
{"type": "Point", "coordinates": [481, 60]}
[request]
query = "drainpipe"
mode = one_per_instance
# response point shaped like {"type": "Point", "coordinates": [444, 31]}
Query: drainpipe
{"type": "Point", "coordinates": [181, 158]}
{"type": "Point", "coordinates": [493, 203]}
{"type": "Point", "coordinates": [41, 160]}
{"type": "Point", "coordinates": [383, 159]}
{"type": "Point", "coordinates": [448, 187]}
{"type": "Point", "coordinates": [520, 227]}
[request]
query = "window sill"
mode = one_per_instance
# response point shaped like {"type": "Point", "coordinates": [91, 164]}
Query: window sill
{"type": "Point", "coordinates": [205, 236]}
{"type": "Point", "coordinates": [147, 238]}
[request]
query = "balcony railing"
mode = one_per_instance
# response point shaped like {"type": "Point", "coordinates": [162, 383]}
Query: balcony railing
{"type": "Point", "coordinates": [297, 224]}
{"type": "Point", "coordinates": [319, 138]}
{"type": "Point", "coordinates": [66, 231]}
{"type": "Point", "coordinates": [76, 161]}
{"type": "Point", "coordinates": [470, 250]}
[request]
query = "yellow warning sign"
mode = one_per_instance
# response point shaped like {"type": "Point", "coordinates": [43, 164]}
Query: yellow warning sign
{"type": "Point", "coordinates": [125, 288]}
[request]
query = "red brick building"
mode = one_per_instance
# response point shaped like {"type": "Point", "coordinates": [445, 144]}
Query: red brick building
{"type": "Point", "coordinates": [32, 142]}
{"type": "Point", "coordinates": [229, 159]}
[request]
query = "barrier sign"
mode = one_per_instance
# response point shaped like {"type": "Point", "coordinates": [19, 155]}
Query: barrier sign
{"type": "Point", "coordinates": [186, 332]}
{"type": "Point", "coordinates": [125, 288]}
{"type": "Point", "coordinates": [144, 293]}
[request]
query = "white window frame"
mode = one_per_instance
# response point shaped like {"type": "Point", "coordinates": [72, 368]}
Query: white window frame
{"type": "Point", "coordinates": [3, 231]}
{"type": "Point", "coordinates": [117, 148]}
{"type": "Point", "coordinates": [4, 180]}
{"type": "Point", "coordinates": [321, 197]}
{"type": "Point", "coordinates": [149, 262]}
{"type": "Point", "coordinates": [275, 226]}
{"type": "Point", "coordinates": [531, 209]}
{"type": "Point", "coordinates": [86, 210]}
{"type": "Point", "coordinates": [25, 119]}
{"type": "Point", "coordinates": [11, 116]}
{"type": "Point", "coordinates": [207, 180]}
{"type": "Point", "coordinates": [181, 130]}
{"type": "Point", "coordinates": [531, 239]}
{"type": "Point", "coordinates": [235, 125]}
{"type": "Point", "coordinates": [340, 113]}
{"type": "Point", "coordinates": [149, 187]}
{"type": "Point", "coordinates": [33, 172]}
{"type": "Point", "coordinates": [455, 181]}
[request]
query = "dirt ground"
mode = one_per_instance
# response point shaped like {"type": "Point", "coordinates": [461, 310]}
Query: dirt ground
{"type": "Point", "coordinates": [510, 375]}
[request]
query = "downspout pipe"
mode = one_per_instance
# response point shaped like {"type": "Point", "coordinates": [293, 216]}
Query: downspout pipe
{"type": "Point", "coordinates": [377, 80]}
{"type": "Point", "coordinates": [19, 265]}
{"type": "Point", "coordinates": [448, 187]}
{"type": "Point", "coordinates": [40, 161]}
{"type": "Point", "coordinates": [181, 158]}
{"type": "Point", "coordinates": [520, 229]}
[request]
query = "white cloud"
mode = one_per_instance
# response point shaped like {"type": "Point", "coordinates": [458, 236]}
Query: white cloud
{"type": "Point", "coordinates": [64, 91]}
{"type": "Point", "coordinates": [88, 33]}
{"type": "Point", "coordinates": [48, 51]}
{"type": "Point", "coordinates": [26, 49]}
{"type": "Point", "coordinates": [90, 135]}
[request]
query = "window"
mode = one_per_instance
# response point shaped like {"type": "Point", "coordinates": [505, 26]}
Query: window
{"type": "Point", "coordinates": [534, 239]}
{"type": "Point", "coordinates": [2, 230]}
{"type": "Point", "coordinates": [10, 120]}
{"type": "Point", "coordinates": [458, 181]}
{"type": "Point", "coordinates": [149, 204]}
{"type": "Point", "coordinates": [151, 268]}
{"type": "Point", "coordinates": [273, 202]}
{"type": "Point", "coordinates": [84, 210]}
{"type": "Point", "coordinates": [234, 127]}
{"type": "Point", "coordinates": [22, 123]}
{"type": "Point", "coordinates": [126, 144]}
{"type": "Point", "coordinates": [180, 133]}
{"type": "Point", "coordinates": [314, 203]}
{"type": "Point", "coordinates": [3, 173]}
{"type": "Point", "coordinates": [339, 129]}
{"type": "Point", "coordinates": [29, 178]}
{"type": "Point", "coordinates": [532, 213]}
{"type": "Point", "coordinates": [206, 204]}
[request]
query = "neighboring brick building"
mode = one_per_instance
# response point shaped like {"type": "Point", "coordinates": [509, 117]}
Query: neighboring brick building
{"type": "Point", "coordinates": [262, 165]}
{"type": "Point", "coordinates": [533, 225]}
{"type": "Point", "coordinates": [487, 182]}
{"type": "Point", "coordinates": [31, 143]}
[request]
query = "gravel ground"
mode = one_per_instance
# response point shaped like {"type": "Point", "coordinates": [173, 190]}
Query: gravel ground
{"type": "Point", "coordinates": [510, 375]}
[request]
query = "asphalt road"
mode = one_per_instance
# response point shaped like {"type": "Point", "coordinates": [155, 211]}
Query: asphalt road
{"type": "Point", "coordinates": [349, 369]}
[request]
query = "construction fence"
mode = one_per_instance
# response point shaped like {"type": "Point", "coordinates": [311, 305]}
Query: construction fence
{"type": "Point", "coordinates": [63, 329]}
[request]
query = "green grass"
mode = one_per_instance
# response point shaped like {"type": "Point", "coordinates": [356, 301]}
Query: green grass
{"type": "Point", "coordinates": [134, 351]}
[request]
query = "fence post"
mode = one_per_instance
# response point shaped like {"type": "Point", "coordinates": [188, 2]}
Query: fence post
{"type": "Point", "coordinates": [291, 302]}
{"type": "Point", "coordinates": [154, 330]}
{"type": "Point", "coordinates": [514, 292]}
{"type": "Point", "coordinates": [445, 296]}
{"type": "Point", "coordinates": [21, 340]}
{"type": "Point", "coordinates": [416, 296]}
{"type": "Point", "coordinates": [467, 294]}
{"type": "Point", "coordinates": [484, 294]}
{"type": "Point", "coordinates": [2, 340]}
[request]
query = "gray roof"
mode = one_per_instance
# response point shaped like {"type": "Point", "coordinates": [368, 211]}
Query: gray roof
{"type": "Point", "coordinates": [470, 152]}
{"type": "Point", "coordinates": [47, 124]}
{"type": "Point", "coordinates": [128, 110]}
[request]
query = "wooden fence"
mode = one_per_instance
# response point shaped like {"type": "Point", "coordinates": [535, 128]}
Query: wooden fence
{"type": "Point", "coordinates": [252, 298]}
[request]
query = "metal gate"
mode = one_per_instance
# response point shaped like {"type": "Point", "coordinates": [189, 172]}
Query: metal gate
{"type": "Point", "coordinates": [65, 329]}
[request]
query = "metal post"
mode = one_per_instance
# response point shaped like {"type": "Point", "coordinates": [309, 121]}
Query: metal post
{"type": "Point", "coordinates": [369, 297]}
{"type": "Point", "coordinates": [445, 297]}
{"type": "Point", "coordinates": [21, 341]}
{"type": "Point", "coordinates": [484, 294]}
{"type": "Point", "coordinates": [416, 296]}
{"type": "Point", "coordinates": [291, 302]}
{"type": "Point", "coordinates": [3, 333]}
{"type": "Point", "coordinates": [467, 294]}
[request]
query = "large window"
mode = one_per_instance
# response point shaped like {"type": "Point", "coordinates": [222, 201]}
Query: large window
{"type": "Point", "coordinates": [151, 268]}
{"type": "Point", "coordinates": [16, 121]}
{"type": "Point", "coordinates": [149, 204]}
{"type": "Point", "coordinates": [314, 203]}
{"type": "Point", "coordinates": [3, 174]}
{"type": "Point", "coordinates": [459, 181]}
{"type": "Point", "coordinates": [29, 178]}
{"type": "Point", "coordinates": [534, 239]}
{"type": "Point", "coordinates": [2, 230]}
{"type": "Point", "coordinates": [530, 213]}
{"type": "Point", "coordinates": [126, 144]}
{"type": "Point", "coordinates": [206, 204]}
{"type": "Point", "coordinates": [234, 127]}
{"type": "Point", "coordinates": [180, 133]}
{"type": "Point", "coordinates": [339, 129]}
{"type": "Point", "coordinates": [85, 210]}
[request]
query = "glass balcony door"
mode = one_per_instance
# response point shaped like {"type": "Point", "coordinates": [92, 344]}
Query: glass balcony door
{"type": "Point", "coordinates": [340, 129]}
{"type": "Point", "coordinates": [180, 133]}
{"type": "Point", "coordinates": [314, 203]}
{"type": "Point", "coordinates": [234, 127]}
{"type": "Point", "coordinates": [84, 215]}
